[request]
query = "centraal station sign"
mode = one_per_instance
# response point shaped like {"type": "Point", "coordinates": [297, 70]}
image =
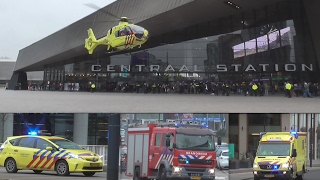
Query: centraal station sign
{"type": "Point", "coordinates": [217, 68]}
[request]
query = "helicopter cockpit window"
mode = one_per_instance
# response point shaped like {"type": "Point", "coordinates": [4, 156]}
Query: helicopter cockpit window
{"type": "Point", "coordinates": [125, 31]}
{"type": "Point", "coordinates": [136, 29]}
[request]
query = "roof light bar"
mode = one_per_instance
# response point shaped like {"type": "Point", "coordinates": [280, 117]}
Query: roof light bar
{"type": "Point", "coordinates": [235, 6]}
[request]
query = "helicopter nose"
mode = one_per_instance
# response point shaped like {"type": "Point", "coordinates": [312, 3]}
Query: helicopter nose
{"type": "Point", "coordinates": [142, 35]}
{"type": "Point", "coordinates": [146, 34]}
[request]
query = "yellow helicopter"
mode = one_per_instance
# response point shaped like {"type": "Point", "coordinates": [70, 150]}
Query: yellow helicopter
{"type": "Point", "coordinates": [123, 36]}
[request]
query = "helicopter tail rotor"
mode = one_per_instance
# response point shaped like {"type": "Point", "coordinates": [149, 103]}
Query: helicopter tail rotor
{"type": "Point", "coordinates": [91, 42]}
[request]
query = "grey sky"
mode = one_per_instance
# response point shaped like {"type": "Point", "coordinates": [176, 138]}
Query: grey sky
{"type": "Point", "coordinates": [24, 22]}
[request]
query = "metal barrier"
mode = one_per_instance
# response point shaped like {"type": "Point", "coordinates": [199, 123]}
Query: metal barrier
{"type": "Point", "coordinates": [101, 150]}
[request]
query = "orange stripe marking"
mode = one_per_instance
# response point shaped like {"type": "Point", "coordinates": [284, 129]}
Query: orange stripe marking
{"type": "Point", "coordinates": [40, 161]}
{"type": "Point", "coordinates": [46, 162]}
{"type": "Point", "coordinates": [34, 159]}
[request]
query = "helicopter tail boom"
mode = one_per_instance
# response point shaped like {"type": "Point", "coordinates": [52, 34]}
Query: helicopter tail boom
{"type": "Point", "coordinates": [92, 42]}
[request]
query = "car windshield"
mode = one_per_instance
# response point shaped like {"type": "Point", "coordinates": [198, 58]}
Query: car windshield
{"type": "Point", "coordinates": [65, 144]}
{"type": "Point", "coordinates": [195, 142]}
{"type": "Point", "coordinates": [274, 149]}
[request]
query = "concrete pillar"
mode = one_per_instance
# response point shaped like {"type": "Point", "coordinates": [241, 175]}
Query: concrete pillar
{"type": "Point", "coordinates": [243, 134]}
{"type": "Point", "coordinates": [8, 126]}
{"type": "Point", "coordinates": [286, 122]}
{"type": "Point", "coordinates": [113, 151]}
{"type": "Point", "coordinates": [80, 128]}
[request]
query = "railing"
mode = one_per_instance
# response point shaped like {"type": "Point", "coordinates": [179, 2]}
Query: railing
{"type": "Point", "coordinates": [101, 150]}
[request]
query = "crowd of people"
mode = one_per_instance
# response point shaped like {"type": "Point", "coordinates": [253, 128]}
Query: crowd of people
{"type": "Point", "coordinates": [304, 89]}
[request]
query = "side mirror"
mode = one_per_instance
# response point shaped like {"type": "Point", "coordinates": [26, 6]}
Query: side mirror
{"type": "Point", "coordinates": [49, 148]}
{"type": "Point", "coordinates": [168, 141]}
{"type": "Point", "coordinates": [294, 153]}
{"type": "Point", "coordinates": [219, 141]}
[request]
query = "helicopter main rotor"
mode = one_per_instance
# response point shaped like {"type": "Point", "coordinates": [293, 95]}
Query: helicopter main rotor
{"type": "Point", "coordinates": [121, 19]}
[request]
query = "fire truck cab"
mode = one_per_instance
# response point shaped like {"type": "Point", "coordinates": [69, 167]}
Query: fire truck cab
{"type": "Point", "coordinates": [170, 151]}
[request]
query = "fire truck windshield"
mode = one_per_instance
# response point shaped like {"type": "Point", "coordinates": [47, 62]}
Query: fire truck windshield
{"type": "Point", "coordinates": [274, 149]}
{"type": "Point", "coordinates": [195, 142]}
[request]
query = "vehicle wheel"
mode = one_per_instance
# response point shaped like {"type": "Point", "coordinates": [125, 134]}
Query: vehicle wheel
{"type": "Point", "coordinates": [89, 173]}
{"type": "Point", "coordinates": [291, 176]}
{"type": "Point", "coordinates": [163, 175]}
{"type": "Point", "coordinates": [62, 168]}
{"type": "Point", "coordinates": [37, 171]}
{"type": "Point", "coordinates": [11, 165]}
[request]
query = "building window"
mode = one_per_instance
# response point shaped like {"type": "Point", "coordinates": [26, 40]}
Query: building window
{"type": "Point", "coordinates": [23, 123]}
{"type": "Point", "coordinates": [261, 123]}
{"type": "Point", "coordinates": [63, 125]}
{"type": "Point", "coordinates": [234, 133]}
{"type": "Point", "coordinates": [98, 129]}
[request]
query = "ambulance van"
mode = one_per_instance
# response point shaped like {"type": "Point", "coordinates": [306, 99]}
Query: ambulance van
{"type": "Point", "coordinates": [281, 155]}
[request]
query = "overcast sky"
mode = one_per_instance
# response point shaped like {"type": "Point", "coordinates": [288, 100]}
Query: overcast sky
{"type": "Point", "coordinates": [24, 22]}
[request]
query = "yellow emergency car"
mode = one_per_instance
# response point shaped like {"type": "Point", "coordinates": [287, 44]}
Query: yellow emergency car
{"type": "Point", "coordinates": [48, 153]}
{"type": "Point", "coordinates": [281, 155]}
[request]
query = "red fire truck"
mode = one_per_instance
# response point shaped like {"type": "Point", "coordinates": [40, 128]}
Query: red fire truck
{"type": "Point", "coordinates": [169, 151]}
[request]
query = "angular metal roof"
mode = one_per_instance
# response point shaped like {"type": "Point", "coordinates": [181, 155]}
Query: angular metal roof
{"type": "Point", "coordinates": [157, 16]}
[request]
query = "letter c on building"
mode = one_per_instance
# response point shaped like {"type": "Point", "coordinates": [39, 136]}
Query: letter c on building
{"type": "Point", "coordinates": [96, 68]}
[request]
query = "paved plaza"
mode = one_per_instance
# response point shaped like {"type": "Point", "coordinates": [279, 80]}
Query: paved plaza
{"type": "Point", "coordinates": [24, 101]}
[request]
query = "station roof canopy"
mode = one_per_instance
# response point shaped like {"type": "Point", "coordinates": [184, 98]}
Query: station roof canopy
{"type": "Point", "coordinates": [159, 17]}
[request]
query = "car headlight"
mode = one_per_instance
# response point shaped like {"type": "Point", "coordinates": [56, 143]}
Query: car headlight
{"type": "Point", "coordinates": [176, 169]}
{"type": "Point", "coordinates": [255, 165]}
{"type": "Point", "coordinates": [75, 156]}
{"type": "Point", "coordinates": [285, 165]}
{"type": "Point", "coordinates": [211, 171]}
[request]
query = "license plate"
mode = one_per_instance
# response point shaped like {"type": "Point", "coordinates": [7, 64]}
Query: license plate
{"type": "Point", "coordinates": [269, 175]}
{"type": "Point", "coordinates": [95, 164]}
{"type": "Point", "coordinates": [195, 177]}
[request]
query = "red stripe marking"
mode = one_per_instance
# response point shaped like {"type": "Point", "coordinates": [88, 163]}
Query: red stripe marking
{"type": "Point", "coordinates": [53, 163]}
{"type": "Point", "coordinates": [34, 159]}
{"type": "Point", "coordinates": [40, 161]}
{"type": "Point", "coordinates": [46, 162]}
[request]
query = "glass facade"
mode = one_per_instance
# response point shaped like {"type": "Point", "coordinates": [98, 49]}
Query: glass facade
{"type": "Point", "coordinates": [64, 124]}
{"type": "Point", "coordinates": [268, 45]}
{"type": "Point", "coordinates": [98, 129]}
{"type": "Point", "coordinates": [261, 123]}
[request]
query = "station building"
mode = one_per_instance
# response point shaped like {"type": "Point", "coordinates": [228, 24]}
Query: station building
{"type": "Point", "coordinates": [267, 41]}
{"type": "Point", "coordinates": [7, 67]}
{"type": "Point", "coordinates": [244, 129]}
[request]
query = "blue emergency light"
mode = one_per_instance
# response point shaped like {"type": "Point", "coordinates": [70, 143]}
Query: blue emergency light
{"type": "Point", "coordinates": [32, 133]}
{"type": "Point", "coordinates": [295, 134]}
{"type": "Point", "coordinates": [187, 161]}
{"type": "Point", "coordinates": [275, 167]}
